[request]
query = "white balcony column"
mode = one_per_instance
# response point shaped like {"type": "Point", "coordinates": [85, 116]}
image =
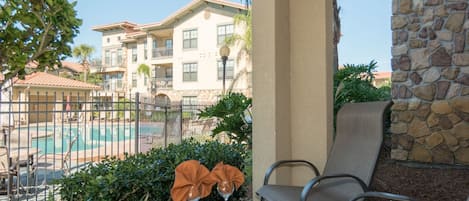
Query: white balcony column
{"type": "Point", "coordinates": [292, 86]}
{"type": "Point", "coordinates": [149, 46]}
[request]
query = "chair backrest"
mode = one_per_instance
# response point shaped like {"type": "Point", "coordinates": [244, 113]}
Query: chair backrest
{"type": "Point", "coordinates": [359, 135]}
{"type": "Point", "coordinates": [4, 160]}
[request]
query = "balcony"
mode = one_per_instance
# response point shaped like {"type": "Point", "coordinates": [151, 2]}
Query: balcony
{"type": "Point", "coordinates": [161, 52]}
{"type": "Point", "coordinates": [109, 68]}
{"type": "Point", "coordinates": [161, 83]}
{"type": "Point", "coordinates": [112, 86]}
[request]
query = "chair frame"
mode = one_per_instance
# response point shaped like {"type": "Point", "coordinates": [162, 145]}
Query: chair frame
{"type": "Point", "coordinates": [13, 169]}
{"type": "Point", "coordinates": [318, 178]}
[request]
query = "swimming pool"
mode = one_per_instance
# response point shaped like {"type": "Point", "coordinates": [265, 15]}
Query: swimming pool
{"type": "Point", "coordinates": [88, 137]}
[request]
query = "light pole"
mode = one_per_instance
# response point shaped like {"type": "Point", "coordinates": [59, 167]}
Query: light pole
{"type": "Point", "coordinates": [224, 53]}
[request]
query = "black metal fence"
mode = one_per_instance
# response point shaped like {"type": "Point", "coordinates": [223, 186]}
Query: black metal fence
{"type": "Point", "coordinates": [49, 135]}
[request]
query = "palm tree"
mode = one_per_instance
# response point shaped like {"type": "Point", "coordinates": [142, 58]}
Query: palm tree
{"type": "Point", "coordinates": [83, 53]}
{"type": "Point", "coordinates": [144, 70]}
{"type": "Point", "coordinates": [245, 40]}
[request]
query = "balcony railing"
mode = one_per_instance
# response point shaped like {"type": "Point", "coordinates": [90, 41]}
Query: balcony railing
{"type": "Point", "coordinates": [109, 68]}
{"type": "Point", "coordinates": [161, 52]}
{"type": "Point", "coordinates": [112, 85]}
{"type": "Point", "coordinates": [161, 83]}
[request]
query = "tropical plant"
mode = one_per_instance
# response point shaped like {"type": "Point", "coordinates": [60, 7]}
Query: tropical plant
{"type": "Point", "coordinates": [35, 31]}
{"type": "Point", "coordinates": [243, 20]}
{"type": "Point", "coordinates": [232, 113]}
{"type": "Point", "coordinates": [144, 70]}
{"type": "Point", "coordinates": [93, 78]}
{"type": "Point", "coordinates": [83, 53]}
{"type": "Point", "coordinates": [354, 83]}
{"type": "Point", "coordinates": [148, 176]}
{"type": "Point", "coordinates": [123, 105]}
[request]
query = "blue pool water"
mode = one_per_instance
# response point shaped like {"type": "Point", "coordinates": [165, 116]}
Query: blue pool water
{"type": "Point", "coordinates": [88, 138]}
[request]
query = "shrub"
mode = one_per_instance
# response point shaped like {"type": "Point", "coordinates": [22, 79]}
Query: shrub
{"type": "Point", "coordinates": [147, 176]}
{"type": "Point", "coordinates": [354, 83]}
{"type": "Point", "coordinates": [230, 111]}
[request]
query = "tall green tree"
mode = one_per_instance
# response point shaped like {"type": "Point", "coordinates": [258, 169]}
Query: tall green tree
{"type": "Point", "coordinates": [83, 53]}
{"type": "Point", "coordinates": [39, 31]}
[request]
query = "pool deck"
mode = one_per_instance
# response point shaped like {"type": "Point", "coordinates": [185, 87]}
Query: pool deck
{"type": "Point", "coordinates": [47, 167]}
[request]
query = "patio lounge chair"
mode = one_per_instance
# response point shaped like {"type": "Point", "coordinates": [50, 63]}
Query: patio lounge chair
{"type": "Point", "coordinates": [349, 168]}
{"type": "Point", "coordinates": [8, 168]}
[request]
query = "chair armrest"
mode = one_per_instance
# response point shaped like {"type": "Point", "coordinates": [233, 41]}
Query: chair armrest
{"type": "Point", "coordinates": [14, 165]}
{"type": "Point", "coordinates": [310, 185]}
{"type": "Point", "coordinates": [283, 162]}
{"type": "Point", "coordinates": [383, 195]}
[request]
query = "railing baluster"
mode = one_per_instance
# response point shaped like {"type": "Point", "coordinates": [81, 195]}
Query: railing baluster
{"type": "Point", "coordinates": [137, 120]}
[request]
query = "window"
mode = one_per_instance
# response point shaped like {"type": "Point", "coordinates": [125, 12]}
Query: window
{"type": "Point", "coordinates": [113, 59]}
{"type": "Point", "coordinates": [119, 57]}
{"type": "Point", "coordinates": [154, 47]}
{"type": "Point", "coordinates": [190, 39]}
{"type": "Point", "coordinates": [134, 55]}
{"type": "Point", "coordinates": [134, 79]}
{"type": "Point", "coordinates": [119, 80]}
{"type": "Point", "coordinates": [108, 40]}
{"type": "Point", "coordinates": [229, 70]}
{"type": "Point", "coordinates": [145, 80]}
{"type": "Point", "coordinates": [154, 43]}
{"type": "Point", "coordinates": [189, 72]}
{"type": "Point", "coordinates": [169, 44]}
{"type": "Point", "coordinates": [107, 57]}
{"type": "Point", "coordinates": [145, 49]}
{"type": "Point", "coordinates": [168, 72]}
{"type": "Point", "coordinates": [118, 38]}
{"type": "Point", "coordinates": [224, 31]}
{"type": "Point", "coordinates": [189, 102]}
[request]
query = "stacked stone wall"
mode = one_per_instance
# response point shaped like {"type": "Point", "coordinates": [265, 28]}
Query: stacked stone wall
{"type": "Point", "coordinates": [430, 90]}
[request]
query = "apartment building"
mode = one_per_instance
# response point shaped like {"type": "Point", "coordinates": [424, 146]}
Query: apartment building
{"type": "Point", "coordinates": [182, 52]}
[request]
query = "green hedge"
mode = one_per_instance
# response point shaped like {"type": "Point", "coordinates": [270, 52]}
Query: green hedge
{"type": "Point", "coordinates": [147, 176]}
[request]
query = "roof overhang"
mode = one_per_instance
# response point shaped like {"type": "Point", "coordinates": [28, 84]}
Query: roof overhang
{"type": "Point", "coordinates": [119, 25]}
{"type": "Point", "coordinates": [188, 9]}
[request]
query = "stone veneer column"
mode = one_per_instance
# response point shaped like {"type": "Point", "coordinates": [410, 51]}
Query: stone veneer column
{"type": "Point", "coordinates": [430, 90]}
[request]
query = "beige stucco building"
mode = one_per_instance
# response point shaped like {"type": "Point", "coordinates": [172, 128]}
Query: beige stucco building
{"type": "Point", "coordinates": [182, 52]}
{"type": "Point", "coordinates": [44, 97]}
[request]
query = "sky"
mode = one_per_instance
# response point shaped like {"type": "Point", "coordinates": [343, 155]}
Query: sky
{"type": "Point", "coordinates": [366, 31]}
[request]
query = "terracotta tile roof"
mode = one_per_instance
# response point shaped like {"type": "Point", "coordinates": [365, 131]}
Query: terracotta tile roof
{"type": "Point", "coordinates": [383, 75]}
{"type": "Point", "coordinates": [76, 67]}
{"type": "Point", "coordinates": [32, 64]}
{"type": "Point", "coordinates": [41, 79]}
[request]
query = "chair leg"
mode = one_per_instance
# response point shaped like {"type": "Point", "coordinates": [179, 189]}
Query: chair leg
{"type": "Point", "coordinates": [10, 186]}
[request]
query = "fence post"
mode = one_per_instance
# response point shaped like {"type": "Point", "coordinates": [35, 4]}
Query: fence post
{"type": "Point", "coordinates": [137, 121]}
{"type": "Point", "coordinates": [166, 125]}
{"type": "Point", "coordinates": [181, 121]}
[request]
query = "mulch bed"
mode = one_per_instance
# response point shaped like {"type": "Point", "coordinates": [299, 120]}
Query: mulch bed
{"type": "Point", "coordinates": [424, 182]}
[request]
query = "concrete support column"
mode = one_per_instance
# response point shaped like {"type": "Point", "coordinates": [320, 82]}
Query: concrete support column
{"type": "Point", "coordinates": [292, 86]}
